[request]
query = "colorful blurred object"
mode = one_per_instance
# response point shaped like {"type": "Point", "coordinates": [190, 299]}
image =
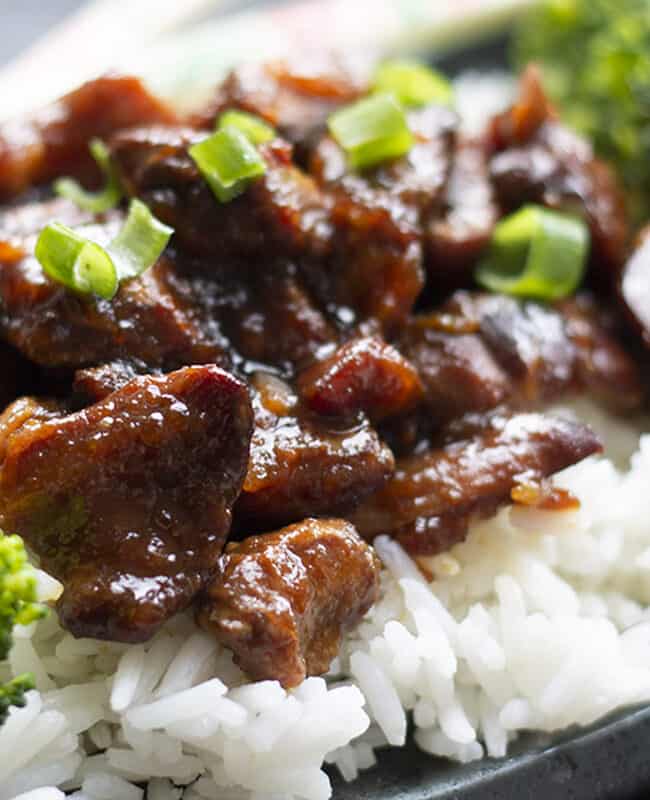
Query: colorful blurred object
{"type": "Point", "coordinates": [177, 51]}
{"type": "Point", "coordinates": [595, 56]}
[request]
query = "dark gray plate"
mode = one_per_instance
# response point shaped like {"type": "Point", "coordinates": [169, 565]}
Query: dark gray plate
{"type": "Point", "coordinates": [609, 761]}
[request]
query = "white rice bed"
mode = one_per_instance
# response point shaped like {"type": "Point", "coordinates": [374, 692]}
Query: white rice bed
{"type": "Point", "coordinates": [538, 621]}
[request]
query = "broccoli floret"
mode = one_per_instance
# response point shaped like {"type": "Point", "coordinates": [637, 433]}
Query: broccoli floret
{"type": "Point", "coordinates": [13, 694]}
{"type": "Point", "coordinates": [595, 57]}
{"type": "Point", "coordinates": [18, 606]}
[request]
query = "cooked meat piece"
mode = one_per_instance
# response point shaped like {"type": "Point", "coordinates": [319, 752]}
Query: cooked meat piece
{"type": "Point", "coordinates": [432, 492]}
{"type": "Point", "coordinates": [531, 109]}
{"type": "Point", "coordinates": [417, 180]}
{"type": "Point", "coordinates": [364, 375]}
{"type": "Point", "coordinates": [301, 464]}
{"type": "Point", "coordinates": [296, 97]}
{"type": "Point", "coordinates": [281, 214]}
{"type": "Point", "coordinates": [128, 502]}
{"type": "Point", "coordinates": [634, 288]}
{"type": "Point", "coordinates": [454, 240]}
{"type": "Point", "coordinates": [351, 251]}
{"type": "Point", "coordinates": [54, 140]}
{"type": "Point", "coordinates": [376, 266]}
{"type": "Point", "coordinates": [268, 315]}
{"type": "Point", "coordinates": [458, 371]}
{"type": "Point", "coordinates": [603, 368]}
{"type": "Point", "coordinates": [556, 171]}
{"type": "Point", "coordinates": [549, 351]}
{"type": "Point", "coordinates": [541, 161]}
{"type": "Point", "coordinates": [155, 318]}
{"type": "Point", "coordinates": [377, 215]}
{"type": "Point", "coordinates": [480, 350]}
{"type": "Point", "coordinates": [95, 383]}
{"type": "Point", "coordinates": [282, 601]}
{"type": "Point", "coordinates": [148, 320]}
{"type": "Point", "coordinates": [530, 343]}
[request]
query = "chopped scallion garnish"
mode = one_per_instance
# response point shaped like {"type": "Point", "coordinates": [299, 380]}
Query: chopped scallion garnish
{"type": "Point", "coordinates": [75, 261]}
{"type": "Point", "coordinates": [412, 83]}
{"type": "Point", "coordinates": [251, 125]}
{"type": "Point", "coordinates": [372, 130]}
{"type": "Point", "coordinates": [95, 202]}
{"type": "Point", "coordinates": [139, 243]}
{"type": "Point", "coordinates": [536, 253]}
{"type": "Point", "coordinates": [85, 266]}
{"type": "Point", "coordinates": [94, 272]}
{"type": "Point", "coordinates": [228, 161]}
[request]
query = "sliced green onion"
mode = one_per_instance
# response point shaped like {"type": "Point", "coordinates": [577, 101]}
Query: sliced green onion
{"type": "Point", "coordinates": [95, 202]}
{"type": "Point", "coordinates": [84, 266]}
{"type": "Point", "coordinates": [139, 243]}
{"type": "Point", "coordinates": [251, 125]}
{"type": "Point", "coordinates": [94, 272]}
{"type": "Point", "coordinates": [228, 161]}
{"type": "Point", "coordinates": [412, 83]}
{"type": "Point", "coordinates": [372, 130]}
{"type": "Point", "coordinates": [75, 261]}
{"type": "Point", "coordinates": [536, 253]}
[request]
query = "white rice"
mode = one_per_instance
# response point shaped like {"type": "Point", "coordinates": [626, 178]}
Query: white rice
{"type": "Point", "coordinates": [538, 621]}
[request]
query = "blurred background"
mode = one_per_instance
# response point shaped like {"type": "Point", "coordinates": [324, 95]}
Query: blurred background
{"type": "Point", "coordinates": [595, 54]}
{"type": "Point", "coordinates": [51, 45]}
{"type": "Point", "coordinates": [24, 20]}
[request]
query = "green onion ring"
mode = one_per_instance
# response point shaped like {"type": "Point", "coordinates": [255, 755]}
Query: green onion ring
{"type": "Point", "coordinates": [76, 262]}
{"type": "Point", "coordinates": [86, 267]}
{"type": "Point", "coordinates": [536, 253]}
{"type": "Point", "coordinates": [139, 243]}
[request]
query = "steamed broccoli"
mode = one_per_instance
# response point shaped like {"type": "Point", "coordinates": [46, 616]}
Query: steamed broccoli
{"type": "Point", "coordinates": [13, 694]}
{"type": "Point", "coordinates": [595, 56]}
{"type": "Point", "coordinates": [17, 607]}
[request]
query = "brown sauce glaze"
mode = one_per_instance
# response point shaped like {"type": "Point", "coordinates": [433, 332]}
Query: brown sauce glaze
{"type": "Point", "coordinates": [301, 463]}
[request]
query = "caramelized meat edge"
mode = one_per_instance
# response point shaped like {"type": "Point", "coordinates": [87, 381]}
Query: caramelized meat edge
{"type": "Point", "coordinates": [363, 375]}
{"type": "Point", "coordinates": [538, 160]}
{"type": "Point", "coordinates": [432, 496]}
